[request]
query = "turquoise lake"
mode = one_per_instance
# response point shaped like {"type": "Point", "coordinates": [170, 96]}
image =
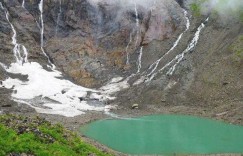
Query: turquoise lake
{"type": "Point", "coordinates": [167, 134]}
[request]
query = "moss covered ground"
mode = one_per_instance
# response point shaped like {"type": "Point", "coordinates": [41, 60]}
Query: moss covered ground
{"type": "Point", "coordinates": [36, 136]}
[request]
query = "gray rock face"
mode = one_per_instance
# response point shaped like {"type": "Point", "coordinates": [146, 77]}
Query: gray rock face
{"type": "Point", "coordinates": [92, 41]}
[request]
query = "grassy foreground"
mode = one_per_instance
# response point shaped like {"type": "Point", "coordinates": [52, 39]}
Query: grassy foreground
{"type": "Point", "coordinates": [36, 136]}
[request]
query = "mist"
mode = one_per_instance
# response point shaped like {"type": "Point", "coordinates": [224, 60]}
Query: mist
{"type": "Point", "coordinates": [126, 3]}
{"type": "Point", "coordinates": [224, 8]}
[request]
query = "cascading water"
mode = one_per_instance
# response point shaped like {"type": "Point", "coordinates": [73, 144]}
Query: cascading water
{"type": "Point", "coordinates": [127, 53]}
{"type": "Point", "coordinates": [47, 91]}
{"type": "Point", "coordinates": [139, 62]}
{"type": "Point", "coordinates": [154, 66]}
{"type": "Point", "coordinates": [137, 24]}
{"type": "Point", "coordinates": [25, 53]}
{"type": "Point", "coordinates": [151, 71]}
{"type": "Point", "coordinates": [58, 17]}
{"type": "Point", "coordinates": [192, 44]}
{"type": "Point", "coordinates": [42, 33]}
{"type": "Point", "coordinates": [180, 57]}
{"type": "Point", "coordinates": [42, 22]}
{"type": "Point", "coordinates": [23, 4]}
{"type": "Point", "coordinates": [20, 52]}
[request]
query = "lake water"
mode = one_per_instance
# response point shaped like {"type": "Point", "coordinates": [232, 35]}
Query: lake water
{"type": "Point", "coordinates": [167, 134]}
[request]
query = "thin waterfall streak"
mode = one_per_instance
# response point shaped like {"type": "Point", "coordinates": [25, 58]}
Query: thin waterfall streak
{"type": "Point", "coordinates": [165, 66]}
{"type": "Point", "coordinates": [42, 23]}
{"type": "Point", "coordinates": [58, 17]}
{"type": "Point", "coordinates": [16, 51]}
{"type": "Point", "coordinates": [1, 5]}
{"type": "Point", "coordinates": [172, 69]}
{"type": "Point", "coordinates": [137, 24]}
{"type": "Point", "coordinates": [136, 13]}
{"type": "Point", "coordinates": [192, 44]}
{"type": "Point", "coordinates": [17, 47]}
{"type": "Point", "coordinates": [158, 61]}
{"type": "Point", "coordinates": [48, 58]}
{"type": "Point", "coordinates": [42, 34]}
{"type": "Point", "coordinates": [130, 40]}
{"type": "Point", "coordinates": [187, 20]}
{"type": "Point", "coordinates": [139, 62]}
{"type": "Point", "coordinates": [156, 64]}
{"type": "Point", "coordinates": [23, 4]}
{"type": "Point", "coordinates": [25, 54]}
{"type": "Point", "coordinates": [180, 57]}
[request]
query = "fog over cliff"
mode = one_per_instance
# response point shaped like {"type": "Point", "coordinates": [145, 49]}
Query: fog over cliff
{"type": "Point", "coordinates": [223, 7]}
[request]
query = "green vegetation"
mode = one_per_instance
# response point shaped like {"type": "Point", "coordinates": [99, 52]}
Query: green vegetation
{"type": "Point", "coordinates": [195, 8]}
{"type": "Point", "coordinates": [237, 48]}
{"type": "Point", "coordinates": [241, 15]}
{"type": "Point", "coordinates": [37, 136]}
{"type": "Point", "coordinates": [220, 7]}
{"type": "Point", "coordinates": [241, 38]}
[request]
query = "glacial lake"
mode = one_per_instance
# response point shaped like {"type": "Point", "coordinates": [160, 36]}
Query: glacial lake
{"type": "Point", "coordinates": [166, 134]}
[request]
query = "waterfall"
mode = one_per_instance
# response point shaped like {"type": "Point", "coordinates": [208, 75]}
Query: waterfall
{"type": "Point", "coordinates": [58, 17]}
{"type": "Point", "coordinates": [154, 66]}
{"type": "Point", "coordinates": [180, 56]}
{"type": "Point", "coordinates": [42, 23]}
{"type": "Point", "coordinates": [42, 34]}
{"type": "Point", "coordinates": [137, 24]}
{"type": "Point", "coordinates": [20, 52]}
{"type": "Point", "coordinates": [139, 62]}
{"type": "Point", "coordinates": [25, 53]}
{"type": "Point", "coordinates": [47, 91]}
{"type": "Point", "coordinates": [136, 13]}
{"type": "Point", "coordinates": [191, 45]}
{"type": "Point", "coordinates": [127, 53]}
{"type": "Point", "coordinates": [23, 4]}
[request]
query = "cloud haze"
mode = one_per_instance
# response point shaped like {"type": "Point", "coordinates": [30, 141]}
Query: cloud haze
{"type": "Point", "coordinates": [222, 7]}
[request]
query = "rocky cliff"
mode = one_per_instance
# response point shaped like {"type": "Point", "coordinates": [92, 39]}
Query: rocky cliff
{"type": "Point", "coordinates": [169, 58]}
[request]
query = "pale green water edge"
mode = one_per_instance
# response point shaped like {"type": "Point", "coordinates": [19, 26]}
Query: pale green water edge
{"type": "Point", "coordinates": [167, 134]}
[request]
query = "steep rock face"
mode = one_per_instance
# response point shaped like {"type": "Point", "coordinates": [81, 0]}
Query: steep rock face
{"type": "Point", "coordinates": [207, 82]}
{"type": "Point", "coordinates": [99, 36]}
{"type": "Point", "coordinates": [90, 41]}
{"type": "Point", "coordinates": [26, 27]}
{"type": "Point", "coordinates": [93, 41]}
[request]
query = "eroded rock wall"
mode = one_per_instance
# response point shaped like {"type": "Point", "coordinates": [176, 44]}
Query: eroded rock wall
{"type": "Point", "coordinates": [91, 40]}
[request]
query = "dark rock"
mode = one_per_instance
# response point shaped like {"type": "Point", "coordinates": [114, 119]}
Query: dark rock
{"type": "Point", "coordinates": [81, 99]}
{"type": "Point", "coordinates": [135, 106]}
{"type": "Point", "coordinates": [225, 83]}
{"type": "Point", "coordinates": [63, 91]}
{"type": "Point", "coordinates": [6, 105]}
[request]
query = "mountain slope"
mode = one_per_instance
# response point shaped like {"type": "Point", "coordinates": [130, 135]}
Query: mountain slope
{"type": "Point", "coordinates": [145, 43]}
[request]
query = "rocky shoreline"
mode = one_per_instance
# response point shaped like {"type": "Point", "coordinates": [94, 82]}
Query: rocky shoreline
{"type": "Point", "coordinates": [74, 123]}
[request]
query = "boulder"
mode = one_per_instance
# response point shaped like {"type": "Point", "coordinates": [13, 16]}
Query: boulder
{"type": "Point", "coordinates": [135, 106]}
